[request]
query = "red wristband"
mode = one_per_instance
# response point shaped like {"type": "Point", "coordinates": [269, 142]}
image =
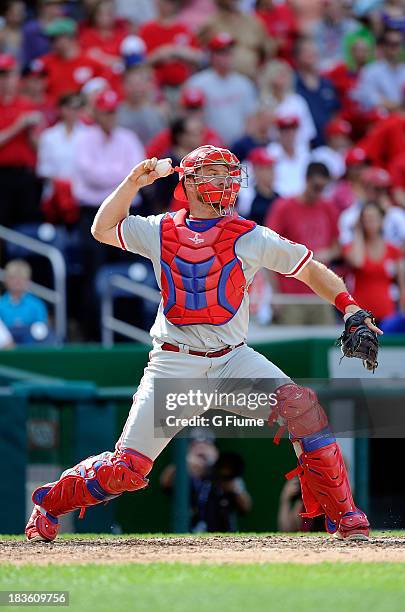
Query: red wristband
{"type": "Point", "coordinates": [343, 300]}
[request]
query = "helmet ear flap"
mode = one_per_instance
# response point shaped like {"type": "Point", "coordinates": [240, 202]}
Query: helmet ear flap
{"type": "Point", "coordinates": [180, 191]}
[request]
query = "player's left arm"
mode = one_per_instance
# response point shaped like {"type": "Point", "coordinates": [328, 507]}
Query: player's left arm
{"type": "Point", "coordinates": [325, 283]}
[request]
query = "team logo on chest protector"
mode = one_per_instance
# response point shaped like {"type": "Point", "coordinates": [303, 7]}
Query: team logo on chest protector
{"type": "Point", "coordinates": [197, 238]}
{"type": "Point", "coordinates": [202, 279]}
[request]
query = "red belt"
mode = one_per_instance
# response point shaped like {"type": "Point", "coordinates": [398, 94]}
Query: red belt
{"type": "Point", "coordinates": [173, 347]}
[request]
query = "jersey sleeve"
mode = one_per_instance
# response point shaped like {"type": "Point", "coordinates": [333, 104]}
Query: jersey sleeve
{"type": "Point", "coordinates": [282, 255]}
{"type": "Point", "coordinates": [140, 235]}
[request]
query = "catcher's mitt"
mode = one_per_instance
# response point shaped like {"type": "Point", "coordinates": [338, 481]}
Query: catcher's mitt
{"type": "Point", "coordinates": [359, 341]}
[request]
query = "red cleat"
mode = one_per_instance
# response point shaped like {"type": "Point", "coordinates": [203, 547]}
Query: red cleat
{"type": "Point", "coordinates": [352, 526]}
{"type": "Point", "coordinates": [41, 527]}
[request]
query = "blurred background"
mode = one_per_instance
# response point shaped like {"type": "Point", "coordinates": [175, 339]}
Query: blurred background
{"type": "Point", "coordinates": [311, 97]}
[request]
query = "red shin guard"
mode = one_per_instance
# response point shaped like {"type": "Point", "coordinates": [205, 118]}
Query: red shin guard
{"type": "Point", "coordinates": [324, 483]}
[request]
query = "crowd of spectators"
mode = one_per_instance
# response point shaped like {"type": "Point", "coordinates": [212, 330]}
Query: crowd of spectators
{"type": "Point", "coordinates": [310, 95]}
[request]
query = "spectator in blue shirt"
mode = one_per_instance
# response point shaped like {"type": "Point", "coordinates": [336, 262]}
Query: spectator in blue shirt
{"type": "Point", "coordinates": [257, 132]}
{"type": "Point", "coordinates": [19, 309]}
{"type": "Point", "coordinates": [316, 89]}
{"type": "Point", "coordinates": [35, 42]}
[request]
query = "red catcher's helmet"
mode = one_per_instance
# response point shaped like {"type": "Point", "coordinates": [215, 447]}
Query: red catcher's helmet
{"type": "Point", "coordinates": [219, 190]}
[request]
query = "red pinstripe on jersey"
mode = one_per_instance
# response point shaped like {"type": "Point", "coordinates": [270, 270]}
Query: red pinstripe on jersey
{"type": "Point", "coordinates": [308, 255]}
{"type": "Point", "coordinates": [120, 235]}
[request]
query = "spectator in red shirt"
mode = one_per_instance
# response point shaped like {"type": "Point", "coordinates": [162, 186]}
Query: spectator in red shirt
{"type": "Point", "coordinates": [345, 77]}
{"type": "Point", "coordinates": [102, 36]}
{"type": "Point", "coordinates": [386, 139]}
{"type": "Point", "coordinates": [374, 263]}
{"type": "Point", "coordinates": [311, 220]}
{"type": "Point", "coordinates": [192, 102]}
{"type": "Point", "coordinates": [172, 47]}
{"type": "Point", "coordinates": [67, 66]}
{"type": "Point", "coordinates": [349, 189]}
{"type": "Point", "coordinates": [20, 189]}
{"type": "Point", "coordinates": [397, 172]}
{"type": "Point", "coordinates": [281, 24]}
{"type": "Point", "coordinates": [34, 86]}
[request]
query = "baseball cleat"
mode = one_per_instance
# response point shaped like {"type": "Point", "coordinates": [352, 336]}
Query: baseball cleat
{"type": "Point", "coordinates": [41, 527]}
{"type": "Point", "coordinates": [353, 526]}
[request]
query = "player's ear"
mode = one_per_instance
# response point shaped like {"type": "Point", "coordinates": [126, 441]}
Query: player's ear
{"type": "Point", "coordinates": [189, 185]}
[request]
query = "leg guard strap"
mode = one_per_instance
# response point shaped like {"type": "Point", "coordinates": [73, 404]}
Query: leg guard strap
{"type": "Point", "coordinates": [93, 481]}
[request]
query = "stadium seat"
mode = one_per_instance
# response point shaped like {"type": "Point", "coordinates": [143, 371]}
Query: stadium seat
{"type": "Point", "coordinates": [130, 308]}
{"type": "Point", "coordinates": [139, 270]}
{"type": "Point", "coordinates": [66, 241]}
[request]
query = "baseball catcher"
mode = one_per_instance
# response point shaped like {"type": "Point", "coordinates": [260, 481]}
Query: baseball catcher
{"type": "Point", "coordinates": [205, 257]}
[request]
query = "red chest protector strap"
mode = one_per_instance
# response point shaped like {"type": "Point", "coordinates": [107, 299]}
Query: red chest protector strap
{"type": "Point", "coordinates": [202, 279]}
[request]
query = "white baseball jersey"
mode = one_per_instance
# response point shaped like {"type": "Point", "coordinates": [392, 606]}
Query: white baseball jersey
{"type": "Point", "coordinates": [259, 248]}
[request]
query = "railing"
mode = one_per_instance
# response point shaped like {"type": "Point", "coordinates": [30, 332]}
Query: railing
{"type": "Point", "coordinates": [296, 298]}
{"type": "Point", "coordinates": [56, 296]}
{"type": "Point", "coordinates": [110, 324]}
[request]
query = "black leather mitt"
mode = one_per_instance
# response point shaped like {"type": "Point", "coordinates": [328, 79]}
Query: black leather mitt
{"type": "Point", "coordinates": [359, 341]}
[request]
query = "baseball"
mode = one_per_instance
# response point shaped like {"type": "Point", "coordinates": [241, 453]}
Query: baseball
{"type": "Point", "coordinates": [164, 166]}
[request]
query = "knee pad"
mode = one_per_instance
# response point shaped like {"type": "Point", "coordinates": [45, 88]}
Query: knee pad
{"type": "Point", "coordinates": [299, 411]}
{"type": "Point", "coordinates": [93, 481]}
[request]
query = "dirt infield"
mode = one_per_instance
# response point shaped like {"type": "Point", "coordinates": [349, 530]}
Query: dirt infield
{"type": "Point", "coordinates": [209, 549]}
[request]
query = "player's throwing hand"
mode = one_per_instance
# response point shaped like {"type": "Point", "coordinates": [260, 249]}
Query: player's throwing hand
{"type": "Point", "coordinates": [146, 172]}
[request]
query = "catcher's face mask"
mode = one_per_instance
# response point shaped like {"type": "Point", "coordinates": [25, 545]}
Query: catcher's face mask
{"type": "Point", "coordinates": [217, 175]}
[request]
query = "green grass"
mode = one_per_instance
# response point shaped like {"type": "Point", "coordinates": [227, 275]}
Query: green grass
{"type": "Point", "coordinates": [180, 587]}
{"type": "Point", "coordinates": [352, 587]}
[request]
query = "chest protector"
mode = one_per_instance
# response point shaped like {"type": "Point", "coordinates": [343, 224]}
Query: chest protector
{"type": "Point", "coordinates": [202, 279]}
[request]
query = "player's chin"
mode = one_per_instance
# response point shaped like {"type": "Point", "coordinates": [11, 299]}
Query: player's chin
{"type": "Point", "coordinates": [208, 205]}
